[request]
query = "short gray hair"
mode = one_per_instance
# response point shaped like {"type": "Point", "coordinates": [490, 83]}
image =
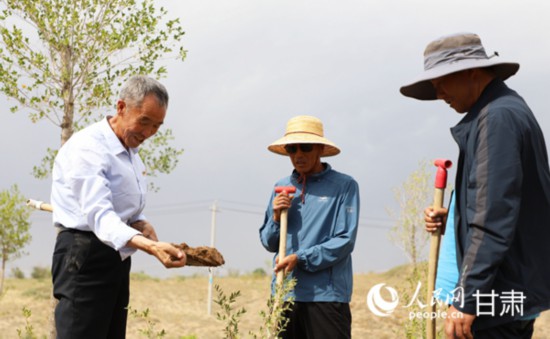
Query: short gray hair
{"type": "Point", "coordinates": [138, 86]}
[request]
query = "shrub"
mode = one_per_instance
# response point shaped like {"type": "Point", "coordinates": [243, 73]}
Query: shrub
{"type": "Point", "coordinates": [229, 314]}
{"type": "Point", "coordinates": [41, 273]}
{"type": "Point", "coordinates": [149, 331]}
{"type": "Point", "coordinates": [259, 272]}
{"type": "Point", "coordinates": [28, 331]}
{"type": "Point", "coordinates": [17, 273]}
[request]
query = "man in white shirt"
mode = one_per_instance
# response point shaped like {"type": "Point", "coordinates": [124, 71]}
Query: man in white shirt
{"type": "Point", "coordinates": [98, 195]}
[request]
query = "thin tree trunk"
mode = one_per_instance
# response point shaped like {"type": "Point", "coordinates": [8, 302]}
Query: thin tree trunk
{"type": "Point", "coordinates": [2, 275]}
{"type": "Point", "coordinates": [413, 245]}
{"type": "Point", "coordinates": [67, 131]}
{"type": "Point", "coordinates": [68, 96]}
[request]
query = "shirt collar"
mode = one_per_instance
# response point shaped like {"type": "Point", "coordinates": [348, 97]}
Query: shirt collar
{"type": "Point", "coordinates": [327, 168]}
{"type": "Point", "coordinates": [113, 142]}
{"type": "Point", "coordinates": [491, 91]}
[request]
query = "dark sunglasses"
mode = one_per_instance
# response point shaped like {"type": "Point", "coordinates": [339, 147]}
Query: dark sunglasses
{"type": "Point", "coordinates": [293, 148]}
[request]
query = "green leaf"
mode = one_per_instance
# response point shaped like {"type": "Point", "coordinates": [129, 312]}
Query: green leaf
{"type": "Point", "coordinates": [65, 60]}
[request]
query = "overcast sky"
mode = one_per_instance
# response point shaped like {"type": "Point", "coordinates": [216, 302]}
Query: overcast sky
{"type": "Point", "coordinates": [251, 66]}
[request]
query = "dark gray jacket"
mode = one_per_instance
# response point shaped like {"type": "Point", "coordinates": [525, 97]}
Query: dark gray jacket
{"type": "Point", "coordinates": [502, 216]}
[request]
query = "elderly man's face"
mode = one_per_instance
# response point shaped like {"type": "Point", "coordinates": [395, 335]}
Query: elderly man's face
{"type": "Point", "coordinates": [139, 123]}
{"type": "Point", "coordinates": [457, 89]}
{"type": "Point", "coordinates": [306, 158]}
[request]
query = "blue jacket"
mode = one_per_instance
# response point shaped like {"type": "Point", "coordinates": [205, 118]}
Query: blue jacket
{"type": "Point", "coordinates": [502, 216]}
{"type": "Point", "coordinates": [321, 232]}
{"type": "Point", "coordinates": [447, 269]}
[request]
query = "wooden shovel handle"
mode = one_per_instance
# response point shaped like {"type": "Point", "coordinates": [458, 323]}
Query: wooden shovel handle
{"type": "Point", "coordinates": [435, 241]}
{"type": "Point", "coordinates": [40, 205]}
{"type": "Point", "coordinates": [282, 243]}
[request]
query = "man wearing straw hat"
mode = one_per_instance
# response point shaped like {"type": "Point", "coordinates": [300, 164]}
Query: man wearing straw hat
{"type": "Point", "coordinates": [98, 195]}
{"type": "Point", "coordinates": [502, 209]}
{"type": "Point", "coordinates": [322, 227]}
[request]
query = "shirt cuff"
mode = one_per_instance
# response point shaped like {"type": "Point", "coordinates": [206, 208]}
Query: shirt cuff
{"type": "Point", "coordinates": [301, 255]}
{"type": "Point", "coordinates": [125, 252]}
{"type": "Point", "coordinates": [114, 232]}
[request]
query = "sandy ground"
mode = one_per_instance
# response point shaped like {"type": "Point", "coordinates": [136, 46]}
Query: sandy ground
{"type": "Point", "coordinates": [178, 306]}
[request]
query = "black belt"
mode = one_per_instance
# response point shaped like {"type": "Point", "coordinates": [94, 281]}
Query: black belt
{"type": "Point", "coordinates": [62, 228]}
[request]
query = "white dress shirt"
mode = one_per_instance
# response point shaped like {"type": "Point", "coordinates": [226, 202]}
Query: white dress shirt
{"type": "Point", "coordinates": [99, 186]}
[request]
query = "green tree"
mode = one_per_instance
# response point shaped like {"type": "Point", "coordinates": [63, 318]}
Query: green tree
{"type": "Point", "coordinates": [14, 227]}
{"type": "Point", "coordinates": [64, 61]}
{"type": "Point", "coordinates": [413, 196]}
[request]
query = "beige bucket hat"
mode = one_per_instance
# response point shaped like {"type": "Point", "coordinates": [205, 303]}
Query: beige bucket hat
{"type": "Point", "coordinates": [450, 54]}
{"type": "Point", "coordinates": [304, 129]}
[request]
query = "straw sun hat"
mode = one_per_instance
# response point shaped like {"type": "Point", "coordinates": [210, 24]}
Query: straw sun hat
{"type": "Point", "coordinates": [304, 129]}
{"type": "Point", "coordinates": [450, 54]}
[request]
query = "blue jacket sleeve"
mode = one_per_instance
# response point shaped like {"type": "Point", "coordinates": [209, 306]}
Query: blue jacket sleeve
{"type": "Point", "coordinates": [269, 231]}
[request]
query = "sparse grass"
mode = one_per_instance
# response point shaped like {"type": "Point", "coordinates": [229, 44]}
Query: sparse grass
{"type": "Point", "coordinates": [179, 306]}
{"type": "Point", "coordinates": [40, 292]}
{"type": "Point", "coordinates": [142, 276]}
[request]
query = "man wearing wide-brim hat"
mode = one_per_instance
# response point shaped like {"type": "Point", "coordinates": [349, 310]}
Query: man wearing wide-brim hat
{"type": "Point", "coordinates": [322, 228]}
{"type": "Point", "coordinates": [502, 190]}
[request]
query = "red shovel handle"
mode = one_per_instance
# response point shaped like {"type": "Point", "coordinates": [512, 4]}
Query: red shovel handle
{"type": "Point", "coordinates": [441, 175]}
{"type": "Point", "coordinates": [287, 189]}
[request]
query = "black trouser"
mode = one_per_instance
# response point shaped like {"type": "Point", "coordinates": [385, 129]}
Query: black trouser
{"type": "Point", "coordinates": [92, 286]}
{"type": "Point", "coordinates": [520, 329]}
{"type": "Point", "coordinates": [318, 320]}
